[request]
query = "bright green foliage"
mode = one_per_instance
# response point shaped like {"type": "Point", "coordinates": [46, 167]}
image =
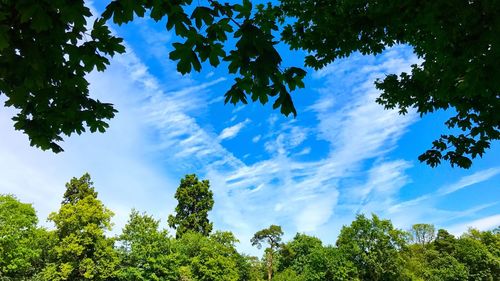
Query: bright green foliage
{"type": "Point", "coordinates": [491, 239]}
{"type": "Point", "coordinates": [480, 263]}
{"type": "Point", "coordinates": [295, 254]}
{"type": "Point", "coordinates": [373, 246]}
{"type": "Point", "coordinates": [423, 263]}
{"type": "Point", "coordinates": [330, 263]}
{"type": "Point", "coordinates": [251, 268]}
{"type": "Point", "coordinates": [46, 50]}
{"type": "Point", "coordinates": [306, 257]}
{"type": "Point", "coordinates": [145, 250]}
{"type": "Point", "coordinates": [82, 251]}
{"type": "Point", "coordinates": [423, 233]}
{"type": "Point", "coordinates": [445, 268]}
{"type": "Point", "coordinates": [368, 249]}
{"type": "Point", "coordinates": [19, 251]}
{"type": "Point", "coordinates": [466, 259]}
{"type": "Point", "coordinates": [195, 200]}
{"type": "Point", "coordinates": [272, 237]}
{"type": "Point", "coordinates": [287, 275]}
{"type": "Point", "coordinates": [211, 258]}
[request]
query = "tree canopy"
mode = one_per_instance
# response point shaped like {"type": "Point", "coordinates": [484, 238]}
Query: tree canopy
{"type": "Point", "coordinates": [46, 50]}
{"type": "Point", "coordinates": [18, 238]}
{"type": "Point", "coordinates": [195, 200]}
{"type": "Point", "coordinates": [373, 245]}
{"type": "Point", "coordinates": [272, 237]}
{"type": "Point", "coordinates": [81, 251]}
{"type": "Point", "coordinates": [368, 249]}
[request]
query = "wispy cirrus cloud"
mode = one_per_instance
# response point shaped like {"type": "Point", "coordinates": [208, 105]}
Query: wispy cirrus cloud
{"type": "Point", "coordinates": [426, 208]}
{"type": "Point", "coordinates": [469, 180]}
{"type": "Point", "coordinates": [304, 195]}
{"type": "Point", "coordinates": [466, 181]}
{"type": "Point", "coordinates": [310, 176]}
{"type": "Point", "coordinates": [231, 132]}
{"type": "Point", "coordinates": [486, 223]}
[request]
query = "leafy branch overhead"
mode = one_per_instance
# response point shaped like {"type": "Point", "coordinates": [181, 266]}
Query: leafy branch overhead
{"type": "Point", "coordinates": [456, 42]}
{"type": "Point", "coordinates": [46, 50]}
{"type": "Point", "coordinates": [205, 33]}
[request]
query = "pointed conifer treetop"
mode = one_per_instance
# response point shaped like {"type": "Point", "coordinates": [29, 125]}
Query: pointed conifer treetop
{"type": "Point", "coordinates": [195, 200]}
{"type": "Point", "coordinates": [79, 188]}
{"type": "Point", "coordinates": [82, 250]}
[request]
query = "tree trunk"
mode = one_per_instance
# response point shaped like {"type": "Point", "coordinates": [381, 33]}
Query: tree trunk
{"type": "Point", "coordinates": [269, 266]}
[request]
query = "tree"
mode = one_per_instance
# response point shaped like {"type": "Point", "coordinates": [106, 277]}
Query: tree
{"type": "Point", "coordinates": [423, 233]}
{"type": "Point", "coordinates": [272, 237]}
{"type": "Point", "coordinates": [212, 258]}
{"type": "Point", "coordinates": [443, 267]}
{"type": "Point", "coordinates": [251, 268]}
{"type": "Point", "coordinates": [78, 188]}
{"type": "Point", "coordinates": [456, 41]}
{"type": "Point", "coordinates": [373, 246]}
{"type": "Point", "coordinates": [82, 251]}
{"type": "Point", "coordinates": [19, 239]}
{"type": "Point", "coordinates": [306, 257]}
{"type": "Point", "coordinates": [145, 250]}
{"type": "Point", "coordinates": [46, 50]}
{"type": "Point", "coordinates": [329, 263]}
{"type": "Point", "coordinates": [480, 263]}
{"type": "Point", "coordinates": [195, 200]}
{"type": "Point", "coordinates": [295, 253]}
{"type": "Point", "coordinates": [489, 238]}
{"type": "Point", "coordinates": [445, 242]}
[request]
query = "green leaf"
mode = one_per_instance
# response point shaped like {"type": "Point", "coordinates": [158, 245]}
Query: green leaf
{"type": "Point", "coordinates": [202, 15]}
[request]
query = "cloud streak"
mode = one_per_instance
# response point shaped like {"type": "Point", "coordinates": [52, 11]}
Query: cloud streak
{"type": "Point", "coordinates": [231, 132]}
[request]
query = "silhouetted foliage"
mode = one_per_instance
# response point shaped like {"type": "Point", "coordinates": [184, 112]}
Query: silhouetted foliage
{"type": "Point", "coordinates": [46, 50]}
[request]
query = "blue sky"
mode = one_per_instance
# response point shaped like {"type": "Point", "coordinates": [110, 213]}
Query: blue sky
{"type": "Point", "coordinates": [342, 155]}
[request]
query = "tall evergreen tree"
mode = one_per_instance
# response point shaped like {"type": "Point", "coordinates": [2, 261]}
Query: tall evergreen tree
{"type": "Point", "coordinates": [82, 251]}
{"type": "Point", "coordinates": [195, 200]}
{"type": "Point", "coordinates": [78, 188]}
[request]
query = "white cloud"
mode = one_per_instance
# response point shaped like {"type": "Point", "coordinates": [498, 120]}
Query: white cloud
{"type": "Point", "coordinates": [304, 151]}
{"type": "Point", "coordinates": [256, 138]}
{"type": "Point", "coordinates": [157, 136]}
{"type": "Point", "coordinates": [316, 212]}
{"type": "Point", "coordinates": [305, 195]}
{"type": "Point", "coordinates": [425, 208]}
{"type": "Point", "coordinates": [486, 223]}
{"type": "Point", "coordinates": [381, 188]}
{"type": "Point", "coordinates": [117, 160]}
{"type": "Point", "coordinates": [475, 178]}
{"type": "Point", "coordinates": [231, 132]}
{"type": "Point", "coordinates": [466, 181]}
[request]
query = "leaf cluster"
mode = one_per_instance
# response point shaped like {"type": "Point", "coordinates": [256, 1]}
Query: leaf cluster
{"type": "Point", "coordinates": [456, 42]}
{"type": "Point", "coordinates": [46, 50]}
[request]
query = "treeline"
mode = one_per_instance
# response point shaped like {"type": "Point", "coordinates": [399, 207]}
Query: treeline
{"type": "Point", "coordinates": [368, 249]}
